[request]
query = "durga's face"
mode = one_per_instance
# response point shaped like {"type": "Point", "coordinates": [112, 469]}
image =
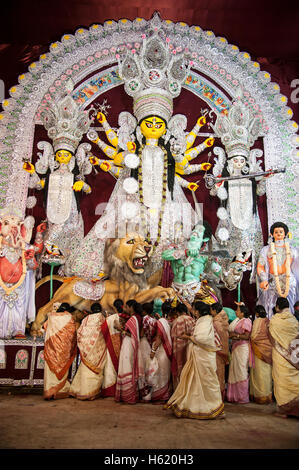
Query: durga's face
{"type": "Point", "coordinates": [63, 156]}
{"type": "Point", "coordinates": [153, 127]}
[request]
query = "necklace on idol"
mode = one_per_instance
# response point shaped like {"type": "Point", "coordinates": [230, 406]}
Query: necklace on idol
{"type": "Point", "coordinates": [275, 270]}
{"type": "Point", "coordinates": [164, 192]}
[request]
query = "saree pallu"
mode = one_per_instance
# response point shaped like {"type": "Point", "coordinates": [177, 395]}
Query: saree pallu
{"type": "Point", "coordinates": [112, 338]}
{"type": "Point", "coordinates": [220, 322]}
{"type": "Point", "coordinates": [238, 377]}
{"type": "Point", "coordinates": [283, 330]}
{"type": "Point", "coordinates": [149, 328]}
{"type": "Point", "coordinates": [59, 352]}
{"type": "Point", "coordinates": [162, 387]}
{"type": "Point", "coordinates": [93, 352]}
{"type": "Point", "coordinates": [261, 371]}
{"type": "Point", "coordinates": [198, 394]}
{"type": "Point", "coordinates": [130, 378]}
{"type": "Point", "coordinates": [184, 324]}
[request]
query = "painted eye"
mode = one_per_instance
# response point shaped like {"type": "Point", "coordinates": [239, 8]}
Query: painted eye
{"type": "Point", "coordinates": [149, 125]}
{"type": "Point", "coordinates": [158, 125]}
{"type": "Point", "coordinates": [131, 242]}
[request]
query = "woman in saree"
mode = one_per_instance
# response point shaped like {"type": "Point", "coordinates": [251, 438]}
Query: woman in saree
{"type": "Point", "coordinates": [148, 333]}
{"type": "Point", "coordinates": [284, 336]}
{"type": "Point", "coordinates": [198, 393]}
{"type": "Point", "coordinates": [183, 324]}
{"type": "Point", "coordinates": [238, 377]}
{"type": "Point", "coordinates": [162, 351]}
{"type": "Point", "coordinates": [60, 350]}
{"type": "Point", "coordinates": [220, 321]}
{"type": "Point", "coordinates": [91, 343]}
{"type": "Point", "coordinates": [261, 372]}
{"type": "Point", "coordinates": [130, 383]}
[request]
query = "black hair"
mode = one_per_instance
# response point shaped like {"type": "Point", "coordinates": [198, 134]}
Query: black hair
{"type": "Point", "coordinates": [217, 306]}
{"type": "Point", "coordinates": [96, 308]}
{"type": "Point", "coordinates": [131, 303]}
{"type": "Point", "coordinates": [118, 304]}
{"type": "Point", "coordinates": [202, 308]}
{"type": "Point", "coordinates": [137, 308]}
{"type": "Point", "coordinates": [181, 308]}
{"type": "Point", "coordinates": [282, 303]}
{"type": "Point", "coordinates": [245, 311]}
{"type": "Point", "coordinates": [279, 225]}
{"type": "Point", "coordinates": [260, 309]}
{"type": "Point", "coordinates": [148, 308]}
{"type": "Point", "coordinates": [64, 307]}
{"type": "Point", "coordinates": [170, 159]}
{"type": "Point", "coordinates": [166, 307]}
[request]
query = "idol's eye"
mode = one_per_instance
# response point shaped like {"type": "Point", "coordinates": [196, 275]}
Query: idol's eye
{"type": "Point", "coordinates": [131, 242]}
{"type": "Point", "coordinates": [149, 125]}
{"type": "Point", "coordinates": [158, 125]}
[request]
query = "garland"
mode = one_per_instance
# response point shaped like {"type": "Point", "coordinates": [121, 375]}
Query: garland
{"type": "Point", "coordinates": [275, 271]}
{"type": "Point", "coordinates": [9, 290]}
{"type": "Point", "coordinates": [164, 193]}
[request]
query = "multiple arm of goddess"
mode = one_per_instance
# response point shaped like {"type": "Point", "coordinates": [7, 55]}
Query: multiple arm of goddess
{"type": "Point", "coordinates": [182, 165]}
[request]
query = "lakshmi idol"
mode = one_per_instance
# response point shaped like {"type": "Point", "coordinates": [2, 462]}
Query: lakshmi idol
{"type": "Point", "coordinates": [277, 269]}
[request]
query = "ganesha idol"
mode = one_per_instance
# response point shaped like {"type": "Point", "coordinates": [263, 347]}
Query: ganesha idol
{"type": "Point", "coordinates": [17, 271]}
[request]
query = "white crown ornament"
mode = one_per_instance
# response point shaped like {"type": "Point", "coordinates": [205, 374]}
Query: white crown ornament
{"type": "Point", "coordinates": [153, 77]}
{"type": "Point", "coordinates": [239, 129]}
{"type": "Point", "coordinates": [65, 122]}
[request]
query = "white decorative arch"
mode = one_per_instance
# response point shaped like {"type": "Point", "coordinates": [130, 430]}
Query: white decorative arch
{"type": "Point", "coordinates": [88, 52]}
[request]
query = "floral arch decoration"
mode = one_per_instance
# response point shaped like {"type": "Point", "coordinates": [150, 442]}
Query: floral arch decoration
{"type": "Point", "coordinates": [91, 55]}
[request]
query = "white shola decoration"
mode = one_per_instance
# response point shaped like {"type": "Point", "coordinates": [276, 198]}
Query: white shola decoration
{"type": "Point", "coordinates": [131, 160]}
{"type": "Point", "coordinates": [130, 185]}
{"type": "Point", "coordinates": [222, 213]}
{"type": "Point", "coordinates": [222, 193]}
{"type": "Point", "coordinates": [129, 210]}
{"type": "Point", "coordinates": [223, 234]}
{"type": "Point", "coordinates": [31, 202]}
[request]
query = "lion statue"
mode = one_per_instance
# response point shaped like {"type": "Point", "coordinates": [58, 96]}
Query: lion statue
{"type": "Point", "coordinates": [127, 267]}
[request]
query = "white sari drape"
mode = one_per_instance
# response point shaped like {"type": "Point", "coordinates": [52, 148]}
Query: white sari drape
{"type": "Point", "coordinates": [198, 394]}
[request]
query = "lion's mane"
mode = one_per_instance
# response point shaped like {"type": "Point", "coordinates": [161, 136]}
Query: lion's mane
{"type": "Point", "coordinates": [119, 271]}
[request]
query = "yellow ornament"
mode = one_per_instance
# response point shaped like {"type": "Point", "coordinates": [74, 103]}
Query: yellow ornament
{"type": "Point", "coordinates": [78, 185]}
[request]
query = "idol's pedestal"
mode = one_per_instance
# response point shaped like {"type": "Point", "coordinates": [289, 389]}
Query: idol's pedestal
{"type": "Point", "coordinates": [22, 363]}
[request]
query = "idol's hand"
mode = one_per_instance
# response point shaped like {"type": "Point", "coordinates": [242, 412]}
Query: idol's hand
{"type": "Point", "coordinates": [209, 142]}
{"type": "Point", "coordinates": [27, 166]}
{"type": "Point", "coordinates": [264, 285]}
{"type": "Point", "coordinates": [201, 121]}
{"type": "Point", "coordinates": [193, 186]}
{"type": "Point", "coordinates": [206, 166]}
{"type": "Point", "coordinates": [78, 186]}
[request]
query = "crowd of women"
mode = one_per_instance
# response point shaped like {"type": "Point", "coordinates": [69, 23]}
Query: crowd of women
{"type": "Point", "coordinates": [189, 358]}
